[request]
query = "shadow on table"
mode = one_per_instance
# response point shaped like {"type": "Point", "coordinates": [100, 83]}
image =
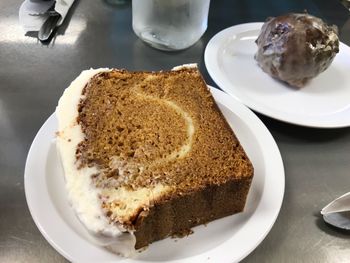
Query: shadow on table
{"type": "Point", "coordinates": [303, 133]}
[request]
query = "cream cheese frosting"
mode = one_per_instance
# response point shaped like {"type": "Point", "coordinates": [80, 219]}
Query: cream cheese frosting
{"type": "Point", "coordinates": [82, 194]}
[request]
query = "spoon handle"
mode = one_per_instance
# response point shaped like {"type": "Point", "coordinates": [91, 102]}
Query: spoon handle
{"type": "Point", "coordinates": [48, 27]}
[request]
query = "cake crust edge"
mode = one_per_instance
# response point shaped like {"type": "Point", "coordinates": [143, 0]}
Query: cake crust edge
{"type": "Point", "coordinates": [171, 217]}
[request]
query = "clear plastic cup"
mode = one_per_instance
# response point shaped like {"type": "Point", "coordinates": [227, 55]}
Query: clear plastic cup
{"type": "Point", "coordinates": [170, 24]}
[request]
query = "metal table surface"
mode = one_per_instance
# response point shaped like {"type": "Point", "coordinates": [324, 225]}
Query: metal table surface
{"type": "Point", "coordinates": [33, 77]}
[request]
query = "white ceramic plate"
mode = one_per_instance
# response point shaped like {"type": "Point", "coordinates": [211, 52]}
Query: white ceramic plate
{"type": "Point", "coordinates": [323, 103]}
{"type": "Point", "coordinates": [226, 240]}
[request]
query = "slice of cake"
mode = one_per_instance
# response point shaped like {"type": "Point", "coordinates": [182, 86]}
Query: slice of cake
{"type": "Point", "coordinates": [148, 154]}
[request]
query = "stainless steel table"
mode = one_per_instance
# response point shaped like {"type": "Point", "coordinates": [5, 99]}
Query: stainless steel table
{"type": "Point", "coordinates": [33, 76]}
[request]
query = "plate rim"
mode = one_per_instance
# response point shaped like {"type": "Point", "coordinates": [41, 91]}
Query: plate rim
{"type": "Point", "coordinates": [227, 101]}
{"type": "Point", "coordinates": [210, 60]}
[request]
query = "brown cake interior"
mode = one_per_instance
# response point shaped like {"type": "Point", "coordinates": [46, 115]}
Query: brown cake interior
{"type": "Point", "coordinates": [143, 129]}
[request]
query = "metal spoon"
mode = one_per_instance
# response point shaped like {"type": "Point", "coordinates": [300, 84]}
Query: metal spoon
{"type": "Point", "coordinates": [337, 213]}
{"type": "Point", "coordinates": [48, 27]}
{"type": "Point", "coordinates": [340, 220]}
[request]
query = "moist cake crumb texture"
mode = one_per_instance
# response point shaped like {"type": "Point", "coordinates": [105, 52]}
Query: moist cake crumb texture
{"type": "Point", "coordinates": [155, 151]}
{"type": "Point", "coordinates": [140, 130]}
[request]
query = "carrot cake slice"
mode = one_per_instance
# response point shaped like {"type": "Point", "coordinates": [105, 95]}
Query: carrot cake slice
{"type": "Point", "coordinates": [148, 154]}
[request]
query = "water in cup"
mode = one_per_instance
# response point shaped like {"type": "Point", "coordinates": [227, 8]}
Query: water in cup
{"type": "Point", "coordinates": [170, 24]}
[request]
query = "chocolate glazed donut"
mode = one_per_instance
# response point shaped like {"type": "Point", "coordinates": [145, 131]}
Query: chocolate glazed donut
{"type": "Point", "coordinates": [295, 48]}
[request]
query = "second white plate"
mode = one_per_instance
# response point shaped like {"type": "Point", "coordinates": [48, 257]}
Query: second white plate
{"type": "Point", "coordinates": [323, 103]}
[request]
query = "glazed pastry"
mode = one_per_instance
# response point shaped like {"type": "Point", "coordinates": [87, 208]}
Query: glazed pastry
{"type": "Point", "coordinates": [295, 48]}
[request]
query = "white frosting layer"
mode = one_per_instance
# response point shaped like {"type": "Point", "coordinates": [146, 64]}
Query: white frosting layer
{"type": "Point", "coordinates": [81, 192]}
{"type": "Point", "coordinates": [190, 65]}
